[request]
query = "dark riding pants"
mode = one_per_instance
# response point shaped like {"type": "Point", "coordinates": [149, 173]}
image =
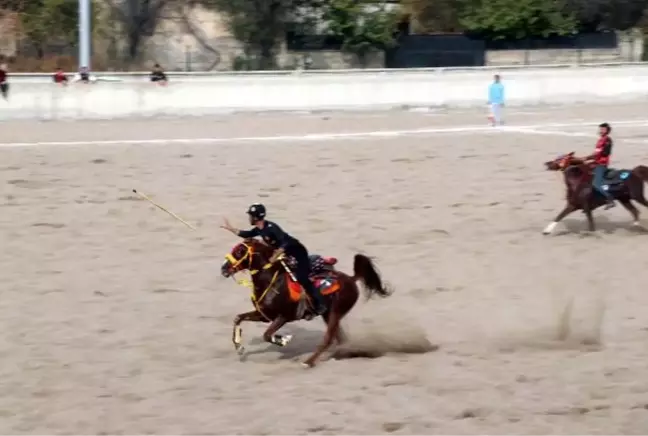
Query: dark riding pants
{"type": "Point", "coordinates": [599, 174]}
{"type": "Point", "coordinates": [303, 270]}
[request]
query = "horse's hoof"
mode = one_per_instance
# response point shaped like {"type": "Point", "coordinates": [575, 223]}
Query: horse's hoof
{"type": "Point", "coordinates": [285, 340]}
{"type": "Point", "coordinates": [550, 228]}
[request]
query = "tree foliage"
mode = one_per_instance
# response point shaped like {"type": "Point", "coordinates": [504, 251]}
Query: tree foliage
{"type": "Point", "coordinates": [517, 19]}
{"type": "Point", "coordinates": [137, 19]}
{"type": "Point", "coordinates": [593, 15]}
{"type": "Point", "coordinates": [47, 21]}
{"type": "Point", "coordinates": [429, 16]}
{"type": "Point", "coordinates": [362, 25]}
{"type": "Point", "coordinates": [261, 25]}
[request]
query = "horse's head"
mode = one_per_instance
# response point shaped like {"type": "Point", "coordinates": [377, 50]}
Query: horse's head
{"type": "Point", "coordinates": [250, 254]}
{"type": "Point", "coordinates": [560, 163]}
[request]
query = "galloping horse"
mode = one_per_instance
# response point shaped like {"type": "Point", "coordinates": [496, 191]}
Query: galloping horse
{"type": "Point", "coordinates": [277, 297]}
{"type": "Point", "coordinates": [624, 185]}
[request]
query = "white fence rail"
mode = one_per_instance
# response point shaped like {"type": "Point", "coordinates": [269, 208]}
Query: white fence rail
{"type": "Point", "coordinates": [116, 95]}
{"type": "Point", "coordinates": [193, 75]}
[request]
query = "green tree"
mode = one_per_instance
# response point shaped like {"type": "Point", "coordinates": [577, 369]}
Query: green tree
{"type": "Point", "coordinates": [430, 16]}
{"type": "Point", "coordinates": [364, 26]}
{"type": "Point", "coordinates": [47, 21]}
{"type": "Point", "coordinates": [137, 20]}
{"type": "Point", "coordinates": [594, 15]}
{"type": "Point", "coordinates": [261, 25]}
{"type": "Point", "coordinates": [517, 19]}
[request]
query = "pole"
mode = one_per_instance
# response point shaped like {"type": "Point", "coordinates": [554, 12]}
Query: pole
{"type": "Point", "coordinates": [84, 33]}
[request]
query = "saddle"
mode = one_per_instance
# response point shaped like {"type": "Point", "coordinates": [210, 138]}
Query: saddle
{"type": "Point", "coordinates": [323, 277]}
{"type": "Point", "coordinates": [613, 176]}
{"type": "Point", "coordinates": [326, 283]}
{"type": "Point", "coordinates": [319, 264]}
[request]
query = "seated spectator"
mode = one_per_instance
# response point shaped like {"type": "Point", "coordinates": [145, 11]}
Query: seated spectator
{"type": "Point", "coordinates": [60, 77]}
{"type": "Point", "coordinates": [4, 81]}
{"type": "Point", "coordinates": [157, 75]}
{"type": "Point", "coordinates": [84, 76]}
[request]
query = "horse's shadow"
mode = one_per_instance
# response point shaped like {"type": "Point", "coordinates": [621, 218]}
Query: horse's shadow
{"type": "Point", "coordinates": [304, 341]}
{"type": "Point", "coordinates": [603, 224]}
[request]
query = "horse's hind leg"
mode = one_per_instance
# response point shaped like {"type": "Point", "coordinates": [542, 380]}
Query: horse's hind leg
{"type": "Point", "coordinates": [636, 188]}
{"type": "Point", "coordinates": [633, 211]}
{"type": "Point", "coordinates": [638, 196]}
{"type": "Point", "coordinates": [332, 329]}
{"type": "Point", "coordinates": [340, 336]}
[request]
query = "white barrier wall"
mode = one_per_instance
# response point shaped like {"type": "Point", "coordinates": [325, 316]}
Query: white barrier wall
{"type": "Point", "coordinates": [36, 97]}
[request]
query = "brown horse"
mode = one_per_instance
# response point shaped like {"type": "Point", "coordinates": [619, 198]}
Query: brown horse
{"type": "Point", "coordinates": [624, 185]}
{"type": "Point", "coordinates": [278, 299]}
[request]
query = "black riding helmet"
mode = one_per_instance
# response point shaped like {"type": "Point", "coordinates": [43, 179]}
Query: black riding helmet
{"type": "Point", "coordinates": [606, 126]}
{"type": "Point", "coordinates": [257, 211]}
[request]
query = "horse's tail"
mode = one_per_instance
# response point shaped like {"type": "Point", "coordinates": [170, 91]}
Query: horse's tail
{"type": "Point", "coordinates": [642, 172]}
{"type": "Point", "coordinates": [365, 271]}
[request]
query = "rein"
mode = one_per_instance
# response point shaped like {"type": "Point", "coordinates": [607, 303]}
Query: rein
{"type": "Point", "coordinates": [249, 255]}
{"type": "Point", "coordinates": [566, 163]}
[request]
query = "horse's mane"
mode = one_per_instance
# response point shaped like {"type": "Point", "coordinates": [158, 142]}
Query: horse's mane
{"type": "Point", "coordinates": [576, 169]}
{"type": "Point", "coordinates": [259, 246]}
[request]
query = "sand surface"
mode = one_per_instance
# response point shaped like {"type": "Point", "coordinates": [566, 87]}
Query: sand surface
{"type": "Point", "coordinates": [114, 317]}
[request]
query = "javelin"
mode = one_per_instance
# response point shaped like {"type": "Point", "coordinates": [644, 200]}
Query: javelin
{"type": "Point", "coordinates": [145, 197]}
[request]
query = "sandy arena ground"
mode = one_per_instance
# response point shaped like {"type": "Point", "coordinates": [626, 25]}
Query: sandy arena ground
{"type": "Point", "coordinates": [115, 319]}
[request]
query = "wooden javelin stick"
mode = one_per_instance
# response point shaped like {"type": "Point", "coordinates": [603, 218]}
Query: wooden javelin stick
{"type": "Point", "coordinates": [145, 197]}
{"type": "Point", "coordinates": [288, 270]}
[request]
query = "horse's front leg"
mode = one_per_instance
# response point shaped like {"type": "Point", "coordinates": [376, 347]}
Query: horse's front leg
{"type": "Point", "coordinates": [590, 218]}
{"type": "Point", "coordinates": [270, 334]}
{"type": "Point", "coordinates": [586, 201]}
{"type": "Point", "coordinates": [569, 208]}
{"type": "Point", "coordinates": [237, 331]}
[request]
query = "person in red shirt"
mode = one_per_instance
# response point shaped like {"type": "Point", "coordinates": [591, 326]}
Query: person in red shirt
{"type": "Point", "coordinates": [60, 77]}
{"type": "Point", "coordinates": [601, 159]}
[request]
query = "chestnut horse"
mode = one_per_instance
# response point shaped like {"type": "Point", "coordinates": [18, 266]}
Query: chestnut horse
{"type": "Point", "coordinates": [279, 299]}
{"type": "Point", "coordinates": [624, 185]}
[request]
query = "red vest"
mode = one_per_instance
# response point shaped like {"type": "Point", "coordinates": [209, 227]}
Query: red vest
{"type": "Point", "coordinates": [600, 145]}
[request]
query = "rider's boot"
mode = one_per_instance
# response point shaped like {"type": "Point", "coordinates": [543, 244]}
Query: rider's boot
{"type": "Point", "coordinates": [316, 298]}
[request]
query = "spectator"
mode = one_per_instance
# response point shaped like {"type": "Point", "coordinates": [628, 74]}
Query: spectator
{"type": "Point", "coordinates": [60, 77]}
{"type": "Point", "coordinates": [83, 76]}
{"type": "Point", "coordinates": [4, 81]}
{"type": "Point", "coordinates": [495, 101]}
{"type": "Point", "coordinates": [157, 75]}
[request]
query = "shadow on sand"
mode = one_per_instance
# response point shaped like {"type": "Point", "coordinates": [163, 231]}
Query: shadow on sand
{"type": "Point", "coordinates": [360, 344]}
{"type": "Point", "coordinates": [603, 225]}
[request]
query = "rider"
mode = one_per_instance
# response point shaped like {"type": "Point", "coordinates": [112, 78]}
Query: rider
{"type": "Point", "coordinates": [601, 159]}
{"type": "Point", "coordinates": [274, 236]}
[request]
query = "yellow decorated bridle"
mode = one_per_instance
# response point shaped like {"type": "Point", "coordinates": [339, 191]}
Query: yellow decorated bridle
{"type": "Point", "coordinates": [236, 264]}
{"type": "Point", "coordinates": [565, 161]}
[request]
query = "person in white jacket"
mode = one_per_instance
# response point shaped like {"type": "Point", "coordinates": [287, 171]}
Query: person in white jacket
{"type": "Point", "coordinates": [84, 76]}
